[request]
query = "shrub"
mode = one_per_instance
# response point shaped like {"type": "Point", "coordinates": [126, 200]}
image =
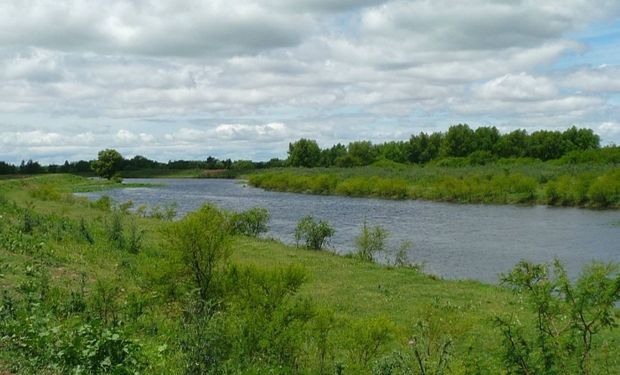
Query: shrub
{"type": "Point", "coordinates": [567, 317]}
{"type": "Point", "coordinates": [369, 338]}
{"type": "Point", "coordinates": [370, 241]}
{"type": "Point", "coordinates": [114, 229]}
{"type": "Point", "coordinates": [202, 238]}
{"type": "Point", "coordinates": [104, 203]}
{"type": "Point", "coordinates": [315, 235]}
{"type": "Point", "coordinates": [133, 240]}
{"type": "Point", "coordinates": [252, 222]}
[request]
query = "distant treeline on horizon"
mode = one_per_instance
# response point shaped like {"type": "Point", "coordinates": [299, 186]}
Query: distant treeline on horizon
{"type": "Point", "coordinates": [459, 144]}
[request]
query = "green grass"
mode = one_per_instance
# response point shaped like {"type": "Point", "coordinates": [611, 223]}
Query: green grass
{"type": "Point", "coordinates": [356, 291]}
{"type": "Point", "coordinates": [580, 185]}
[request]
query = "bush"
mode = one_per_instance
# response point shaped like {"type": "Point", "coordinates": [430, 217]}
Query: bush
{"type": "Point", "coordinates": [202, 238]}
{"type": "Point", "coordinates": [252, 222]}
{"type": "Point", "coordinates": [315, 235]}
{"type": "Point", "coordinates": [560, 339]}
{"type": "Point", "coordinates": [370, 241]}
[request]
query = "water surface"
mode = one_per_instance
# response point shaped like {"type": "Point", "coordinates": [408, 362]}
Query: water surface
{"type": "Point", "coordinates": [452, 240]}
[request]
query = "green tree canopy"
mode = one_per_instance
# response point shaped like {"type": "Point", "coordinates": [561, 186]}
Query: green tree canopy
{"type": "Point", "coordinates": [108, 163]}
{"type": "Point", "coordinates": [304, 153]}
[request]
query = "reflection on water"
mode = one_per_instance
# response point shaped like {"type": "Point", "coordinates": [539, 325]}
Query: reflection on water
{"type": "Point", "coordinates": [453, 241]}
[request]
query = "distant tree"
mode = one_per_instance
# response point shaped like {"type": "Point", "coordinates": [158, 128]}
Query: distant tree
{"type": "Point", "coordinates": [546, 145]}
{"type": "Point", "coordinates": [423, 148]}
{"type": "Point", "coordinates": [304, 153]}
{"type": "Point", "coordinates": [362, 151]}
{"type": "Point", "coordinates": [329, 155]}
{"type": "Point", "coordinates": [513, 144]}
{"type": "Point", "coordinates": [242, 165]}
{"type": "Point", "coordinates": [6, 168]}
{"type": "Point", "coordinates": [458, 141]}
{"type": "Point", "coordinates": [581, 139]}
{"type": "Point", "coordinates": [30, 167]}
{"type": "Point", "coordinates": [485, 138]}
{"type": "Point", "coordinates": [394, 151]}
{"type": "Point", "coordinates": [108, 163]}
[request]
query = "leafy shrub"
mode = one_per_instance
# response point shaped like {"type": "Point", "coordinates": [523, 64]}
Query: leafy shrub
{"type": "Point", "coordinates": [252, 222]}
{"type": "Point", "coordinates": [568, 316]}
{"type": "Point", "coordinates": [370, 241]}
{"type": "Point", "coordinates": [315, 235]}
{"type": "Point", "coordinates": [202, 239]}
{"type": "Point", "coordinates": [114, 229]}
{"type": "Point", "coordinates": [605, 190]}
{"type": "Point", "coordinates": [369, 339]}
{"type": "Point", "coordinates": [104, 203]}
{"type": "Point", "coordinates": [133, 238]}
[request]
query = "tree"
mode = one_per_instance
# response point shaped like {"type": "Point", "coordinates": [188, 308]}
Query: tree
{"type": "Point", "coordinates": [304, 153]}
{"type": "Point", "coordinates": [362, 151]}
{"type": "Point", "coordinates": [108, 163]}
{"type": "Point", "coordinates": [423, 148]}
{"type": "Point", "coordinates": [458, 141]}
{"type": "Point", "coordinates": [513, 144]}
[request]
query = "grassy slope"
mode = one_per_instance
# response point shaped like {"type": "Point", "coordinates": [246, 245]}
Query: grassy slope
{"type": "Point", "coordinates": [493, 183]}
{"type": "Point", "coordinates": [355, 290]}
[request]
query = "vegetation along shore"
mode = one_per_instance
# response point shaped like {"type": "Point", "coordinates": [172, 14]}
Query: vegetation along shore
{"type": "Point", "coordinates": [93, 287]}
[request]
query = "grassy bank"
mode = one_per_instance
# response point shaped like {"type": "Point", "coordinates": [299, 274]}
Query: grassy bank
{"type": "Point", "coordinates": [580, 185]}
{"type": "Point", "coordinates": [77, 298]}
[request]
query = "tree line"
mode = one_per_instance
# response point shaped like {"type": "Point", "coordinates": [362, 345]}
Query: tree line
{"type": "Point", "coordinates": [480, 145]}
{"type": "Point", "coordinates": [135, 163]}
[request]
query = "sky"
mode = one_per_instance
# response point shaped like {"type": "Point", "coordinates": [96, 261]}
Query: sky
{"type": "Point", "coordinates": [172, 79]}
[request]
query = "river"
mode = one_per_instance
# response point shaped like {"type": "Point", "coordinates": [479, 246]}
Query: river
{"type": "Point", "coordinates": [452, 240]}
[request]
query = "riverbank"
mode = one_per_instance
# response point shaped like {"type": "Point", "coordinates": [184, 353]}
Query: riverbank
{"type": "Point", "coordinates": [576, 185]}
{"type": "Point", "coordinates": [56, 251]}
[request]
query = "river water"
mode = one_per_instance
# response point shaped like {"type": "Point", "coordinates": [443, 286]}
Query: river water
{"type": "Point", "coordinates": [451, 240]}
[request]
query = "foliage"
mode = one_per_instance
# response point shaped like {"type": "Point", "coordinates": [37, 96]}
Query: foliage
{"type": "Point", "coordinates": [370, 242]}
{"type": "Point", "coordinates": [567, 317]}
{"type": "Point", "coordinates": [315, 235]}
{"type": "Point", "coordinates": [202, 239]}
{"type": "Point", "coordinates": [108, 163]}
{"type": "Point", "coordinates": [71, 306]}
{"type": "Point", "coordinates": [304, 153]}
{"type": "Point", "coordinates": [455, 180]}
{"type": "Point", "coordinates": [252, 222]}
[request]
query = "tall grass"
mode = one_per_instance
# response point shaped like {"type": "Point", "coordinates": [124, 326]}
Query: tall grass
{"type": "Point", "coordinates": [540, 183]}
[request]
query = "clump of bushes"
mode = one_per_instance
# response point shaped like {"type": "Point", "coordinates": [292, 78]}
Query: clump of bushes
{"type": "Point", "coordinates": [313, 234]}
{"type": "Point", "coordinates": [252, 222]}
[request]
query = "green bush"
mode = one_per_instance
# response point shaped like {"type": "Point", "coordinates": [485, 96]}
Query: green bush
{"type": "Point", "coordinates": [202, 239]}
{"type": "Point", "coordinates": [252, 222]}
{"type": "Point", "coordinates": [315, 235]}
{"type": "Point", "coordinates": [568, 316]}
{"type": "Point", "coordinates": [370, 242]}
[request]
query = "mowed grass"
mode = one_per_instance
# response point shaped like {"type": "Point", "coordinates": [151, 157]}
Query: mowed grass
{"type": "Point", "coordinates": [356, 291]}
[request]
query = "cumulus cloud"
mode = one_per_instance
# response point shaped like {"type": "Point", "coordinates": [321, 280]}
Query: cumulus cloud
{"type": "Point", "coordinates": [176, 79]}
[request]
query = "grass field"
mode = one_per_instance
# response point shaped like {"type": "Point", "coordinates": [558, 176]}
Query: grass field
{"type": "Point", "coordinates": [58, 263]}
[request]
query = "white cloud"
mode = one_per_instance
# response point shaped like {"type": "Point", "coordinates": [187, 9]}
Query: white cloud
{"type": "Point", "coordinates": [521, 86]}
{"type": "Point", "coordinates": [174, 79]}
